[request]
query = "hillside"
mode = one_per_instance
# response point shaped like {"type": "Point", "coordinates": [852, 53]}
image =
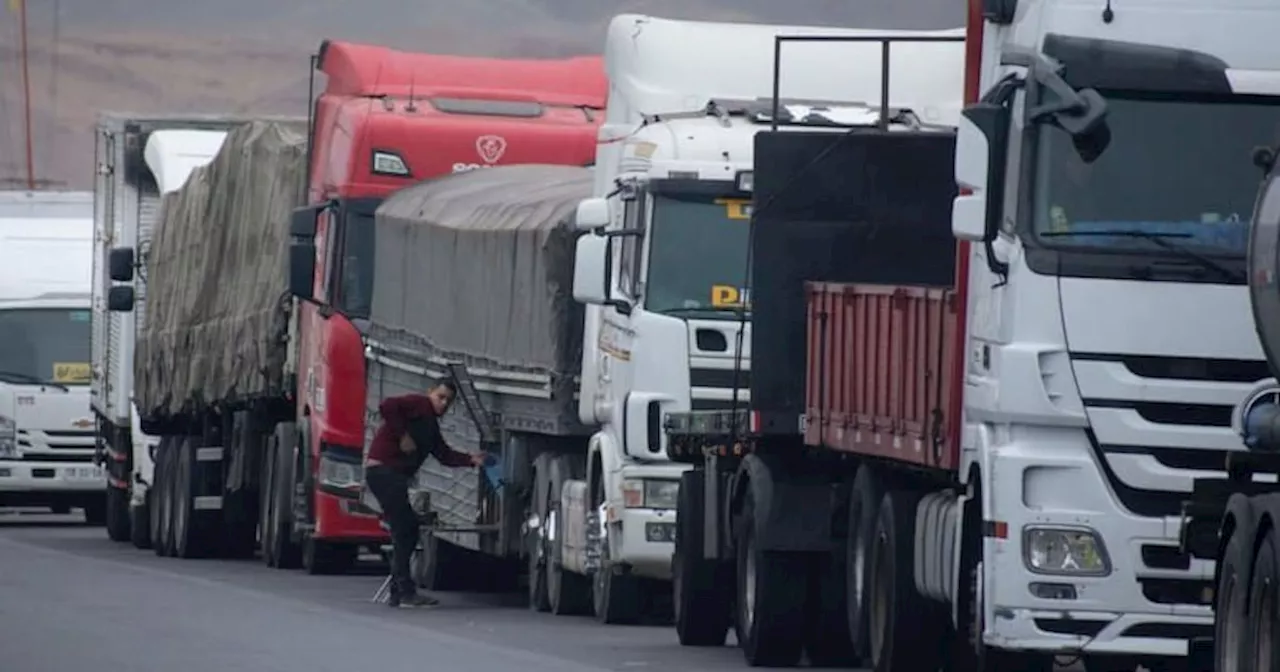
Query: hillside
{"type": "Point", "coordinates": [250, 56]}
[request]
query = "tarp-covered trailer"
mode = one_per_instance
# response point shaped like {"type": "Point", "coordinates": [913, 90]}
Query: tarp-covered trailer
{"type": "Point", "coordinates": [474, 279]}
{"type": "Point", "coordinates": [213, 369]}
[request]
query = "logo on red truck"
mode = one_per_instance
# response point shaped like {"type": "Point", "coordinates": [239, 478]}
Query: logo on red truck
{"type": "Point", "coordinates": [490, 148]}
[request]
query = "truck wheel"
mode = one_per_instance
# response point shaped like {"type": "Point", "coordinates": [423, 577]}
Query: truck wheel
{"type": "Point", "coordinates": [771, 596]}
{"type": "Point", "coordinates": [190, 534]}
{"type": "Point", "coordinates": [566, 591]}
{"type": "Point", "coordinates": [95, 512]}
{"type": "Point", "coordinates": [971, 653]}
{"type": "Point", "coordinates": [167, 544]}
{"type": "Point", "coordinates": [240, 507]}
{"type": "Point", "coordinates": [325, 558]}
{"type": "Point", "coordinates": [1263, 604]}
{"type": "Point", "coordinates": [536, 545]}
{"type": "Point", "coordinates": [1231, 629]}
{"type": "Point", "coordinates": [156, 493]}
{"type": "Point", "coordinates": [828, 643]}
{"type": "Point", "coordinates": [141, 523]}
{"type": "Point", "coordinates": [864, 508]}
{"type": "Point", "coordinates": [899, 617]}
{"type": "Point", "coordinates": [117, 513]}
{"type": "Point", "coordinates": [444, 566]}
{"type": "Point", "coordinates": [615, 596]}
{"type": "Point", "coordinates": [702, 591]}
{"type": "Point", "coordinates": [284, 552]}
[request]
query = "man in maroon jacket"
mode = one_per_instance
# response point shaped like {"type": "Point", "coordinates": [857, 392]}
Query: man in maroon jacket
{"type": "Point", "coordinates": [410, 432]}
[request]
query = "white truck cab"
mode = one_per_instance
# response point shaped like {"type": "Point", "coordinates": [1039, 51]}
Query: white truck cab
{"type": "Point", "coordinates": [662, 270]}
{"type": "Point", "coordinates": [46, 427]}
{"type": "Point", "coordinates": [1107, 186]}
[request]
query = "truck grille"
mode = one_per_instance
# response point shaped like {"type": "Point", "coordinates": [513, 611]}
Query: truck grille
{"type": "Point", "coordinates": [56, 440]}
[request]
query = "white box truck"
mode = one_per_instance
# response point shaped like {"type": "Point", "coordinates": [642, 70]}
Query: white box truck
{"type": "Point", "coordinates": [46, 431]}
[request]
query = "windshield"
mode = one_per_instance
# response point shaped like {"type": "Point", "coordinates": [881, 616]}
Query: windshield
{"type": "Point", "coordinates": [697, 254]}
{"type": "Point", "coordinates": [44, 345]}
{"type": "Point", "coordinates": [1174, 168]}
{"type": "Point", "coordinates": [355, 295]}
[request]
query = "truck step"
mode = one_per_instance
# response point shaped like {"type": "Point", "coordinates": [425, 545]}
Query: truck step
{"type": "Point", "coordinates": [209, 454]}
{"type": "Point", "coordinates": [486, 423]}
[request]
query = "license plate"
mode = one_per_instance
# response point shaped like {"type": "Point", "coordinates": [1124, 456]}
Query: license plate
{"type": "Point", "coordinates": [83, 473]}
{"type": "Point", "coordinates": [660, 532]}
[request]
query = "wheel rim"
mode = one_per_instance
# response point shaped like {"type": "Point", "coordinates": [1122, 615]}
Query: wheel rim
{"type": "Point", "coordinates": [550, 556]}
{"type": "Point", "coordinates": [879, 600]}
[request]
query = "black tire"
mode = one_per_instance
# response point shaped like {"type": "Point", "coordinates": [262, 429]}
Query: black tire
{"type": "Point", "coordinates": [285, 553]}
{"type": "Point", "coordinates": [322, 558]}
{"type": "Point", "coordinates": [117, 514]}
{"type": "Point", "coordinates": [970, 654]}
{"type": "Point", "coordinates": [615, 594]}
{"type": "Point", "coordinates": [240, 507]}
{"type": "Point", "coordinates": [771, 631]}
{"type": "Point", "coordinates": [1231, 630]}
{"type": "Point", "coordinates": [701, 590]}
{"type": "Point", "coordinates": [899, 618]}
{"type": "Point", "coordinates": [864, 508]}
{"type": "Point", "coordinates": [141, 523]}
{"type": "Point", "coordinates": [170, 488]}
{"type": "Point", "coordinates": [266, 504]}
{"type": "Point", "coordinates": [568, 593]}
{"type": "Point", "coordinates": [159, 499]}
{"type": "Point", "coordinates": [1264, 605]}
{"type": "Point", "coordinates": [95, 512]}
{"type": "Point", "coordinates": [539, 599]}
{"type": "Point", "coordinates": [190, 539]}
{"type": "Point", "coordinates": [828, 643]}
{"type": "Point", "coordinates": [443, 566]}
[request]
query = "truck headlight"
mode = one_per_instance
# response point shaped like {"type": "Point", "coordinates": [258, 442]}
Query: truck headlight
{"type": "Point", "coordinates": [8, 438]}
{"type": "Point", "coordinates": [650, 494]}
{"type": "Point", "coordinates": [344, 475]}
{"type": "Point", "coordinates": [1065, 551]}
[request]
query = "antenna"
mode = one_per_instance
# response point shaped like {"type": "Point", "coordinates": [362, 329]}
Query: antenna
{"type": "Point", "coordinates": [411, 107]}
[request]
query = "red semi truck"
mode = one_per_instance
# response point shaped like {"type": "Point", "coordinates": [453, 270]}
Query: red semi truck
{"type": "Point", "coordinates": [385, 120]}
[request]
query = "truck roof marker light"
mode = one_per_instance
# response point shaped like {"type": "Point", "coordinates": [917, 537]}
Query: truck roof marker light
{"type": "Point", "coordinates": [389, 163]}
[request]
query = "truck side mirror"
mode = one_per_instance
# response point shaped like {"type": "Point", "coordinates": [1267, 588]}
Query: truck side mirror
{"type": "Point", "coordinates": [983, 143]}
{"type": "Point", "coordinates": [120, 299]}
{"type": "Point", "coordinates": [593, 271]}
{"type": "Point", "coordinates": [120, 264]}
{"type": "Point", "coordinates": [593, 213]}
{"type": "Point", "coordinates": [302, 252]}
{"type": "Point", "coordinates": [302, 270]}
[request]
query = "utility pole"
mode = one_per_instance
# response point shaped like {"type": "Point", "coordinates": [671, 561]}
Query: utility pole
{"type": "Point", "coordinates": [26, 95]}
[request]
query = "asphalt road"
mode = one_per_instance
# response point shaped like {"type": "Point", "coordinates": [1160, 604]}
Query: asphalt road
{"type": "Point", "coordinates": [72, 601]}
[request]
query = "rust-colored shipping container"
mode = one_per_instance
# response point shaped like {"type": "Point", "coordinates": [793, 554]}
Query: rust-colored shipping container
{"type": "Point", "coordinates": [879, 368]}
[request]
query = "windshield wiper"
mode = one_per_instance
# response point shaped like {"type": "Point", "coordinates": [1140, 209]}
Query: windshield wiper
{"type": "Point", "coordinates": [18, 378]}
{"type": "Point", "coordinates": [1161, 240]}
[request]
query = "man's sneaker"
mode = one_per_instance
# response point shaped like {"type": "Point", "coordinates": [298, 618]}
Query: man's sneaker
{"type": "Point", "coordinates": [417, 600]}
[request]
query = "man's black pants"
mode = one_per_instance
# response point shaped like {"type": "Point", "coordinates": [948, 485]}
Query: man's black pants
{"type": "Point", "coordinates": [391, 488]}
